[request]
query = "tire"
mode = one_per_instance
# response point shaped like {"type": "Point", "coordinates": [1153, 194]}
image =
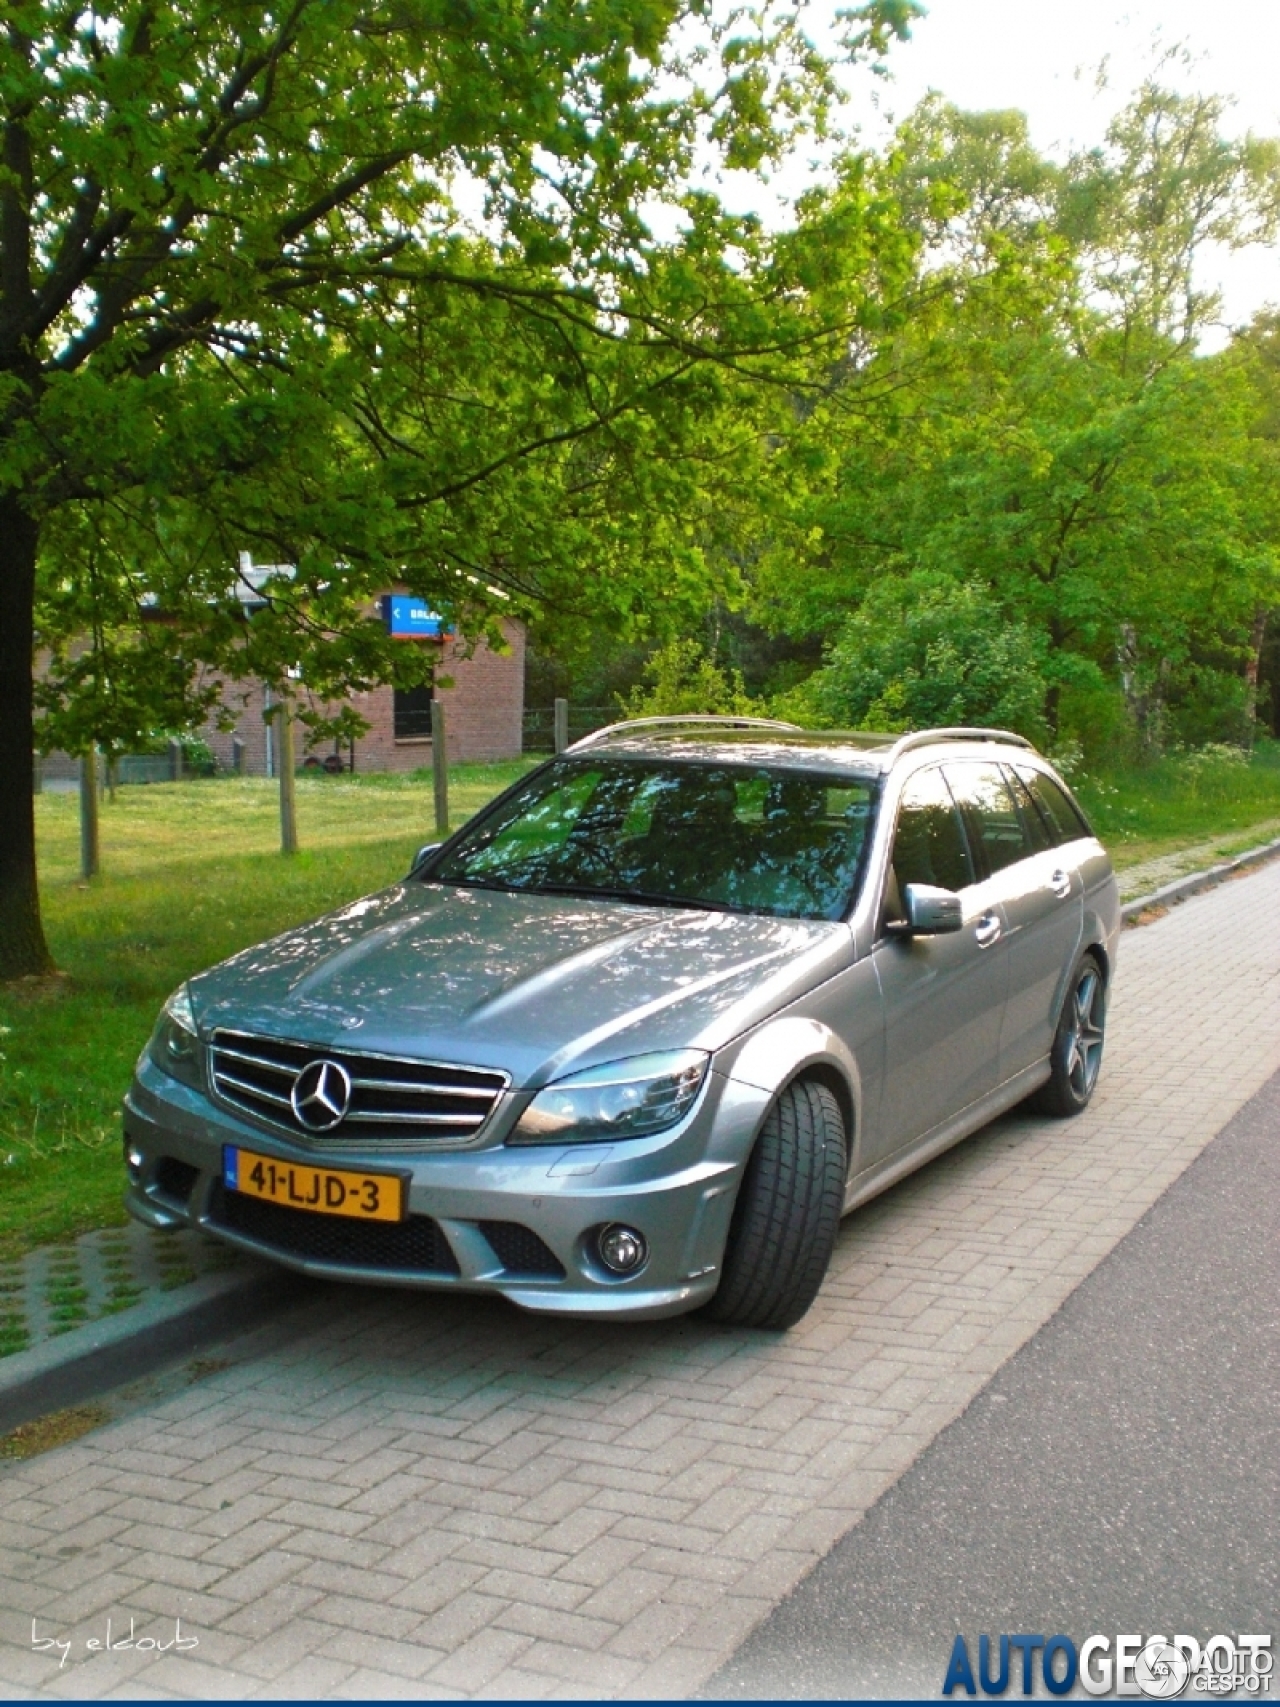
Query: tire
{"type": "Point", "coordinates": [1076, 1057]}
{"type": "Point", "coordinates": [787, 1214]}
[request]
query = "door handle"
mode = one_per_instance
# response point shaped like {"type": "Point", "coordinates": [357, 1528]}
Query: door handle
{"type": "Point", "coordinates": [987, 930]}
{"type": "Point", "coordinates": [1060, 883]}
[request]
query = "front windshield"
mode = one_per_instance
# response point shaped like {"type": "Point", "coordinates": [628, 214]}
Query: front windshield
{"type": "Point", "coordinates": [744, 838]}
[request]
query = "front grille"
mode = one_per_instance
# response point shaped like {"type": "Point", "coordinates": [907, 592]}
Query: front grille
{"type": "Point", "coordinates": [415, 1246]}
{"type": "Point", "coordinates": [395, 1104]}
{"type": "Point", "coordinates": [520, 1250]}
{"type": "Point", "coordinates": [175, 1178]}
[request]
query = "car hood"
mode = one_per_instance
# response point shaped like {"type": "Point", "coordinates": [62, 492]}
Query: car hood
{"type": "Point", "coordinates": [536, 985]}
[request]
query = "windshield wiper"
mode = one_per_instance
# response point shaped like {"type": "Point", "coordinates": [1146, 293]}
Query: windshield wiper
{"type": "Point", "coordinates": [474, 883]}
{"type": "Point", "coordinates": [640, 897]}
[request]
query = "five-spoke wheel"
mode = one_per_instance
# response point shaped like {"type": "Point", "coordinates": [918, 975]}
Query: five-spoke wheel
{"type": "Point", "coordinates": [1076, 1055]}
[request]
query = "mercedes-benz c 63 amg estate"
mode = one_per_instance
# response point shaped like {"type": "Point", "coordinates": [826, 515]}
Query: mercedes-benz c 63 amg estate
{"type": "Point", "coordinates": [635, 1038]}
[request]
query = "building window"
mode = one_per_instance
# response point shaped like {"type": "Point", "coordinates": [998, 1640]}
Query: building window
{"type": "Point", "coordinates": [412, 713]}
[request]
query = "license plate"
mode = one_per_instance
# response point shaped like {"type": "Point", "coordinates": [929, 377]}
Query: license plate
{"type": "Point", "coordinates": [324, 1191]}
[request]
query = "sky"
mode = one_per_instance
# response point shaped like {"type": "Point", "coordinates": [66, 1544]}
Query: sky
{"type": "Point", "coordinates": [1042, 56]}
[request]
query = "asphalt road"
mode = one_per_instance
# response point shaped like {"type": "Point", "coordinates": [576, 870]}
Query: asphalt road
{"type": "Point", "coordinates": [1121, 1473]}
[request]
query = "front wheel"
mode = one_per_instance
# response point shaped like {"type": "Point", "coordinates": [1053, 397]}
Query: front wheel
{"type": "Point", "coordinates": [1076, 1056]}
{"type": "Point", "coordinates": [788, 1212]}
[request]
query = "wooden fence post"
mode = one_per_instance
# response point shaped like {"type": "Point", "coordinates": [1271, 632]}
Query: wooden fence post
{"type": "Point", "coordinates": [561, 725]}
{"type": "Point", "coordinates": [288, 797]}
{"type": "Point", "coordinates": [440, 767]}
{"type": "Point", "coordinates": [89, 814]}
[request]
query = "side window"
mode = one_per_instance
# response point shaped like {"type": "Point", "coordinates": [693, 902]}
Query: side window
{"type": "Point", "coordinates": [991, 814]}
{"type": "Point", "coordinates": [1037, 826]}
{"type": "Point", "coordinates": [929, 843]}
{"type": "Point", "coordinates": [1067, 822]}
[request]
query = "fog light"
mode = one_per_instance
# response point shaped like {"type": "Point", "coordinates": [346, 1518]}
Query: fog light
{"type": "Point", "coordinates": [134, 1160]}
{"type": "Point", "coordinates": [621, 1249]}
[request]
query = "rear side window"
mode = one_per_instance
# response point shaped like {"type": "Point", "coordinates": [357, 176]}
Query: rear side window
{"type": "Point", "coordinates": [1039, 828]}
{"type": "Point", "coordinates": [929, 845]}
{"type": "Point", "coordinates": [1068, 822]}
{"type": "Point", "coordinates": [991, 813]}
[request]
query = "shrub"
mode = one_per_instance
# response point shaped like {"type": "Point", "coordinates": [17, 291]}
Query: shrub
{"type": "Point", "coordinates": [924, 652]}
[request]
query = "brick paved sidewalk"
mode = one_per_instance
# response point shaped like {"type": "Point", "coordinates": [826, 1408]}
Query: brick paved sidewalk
{"type": "Point", "coordinates": [430, 1497]}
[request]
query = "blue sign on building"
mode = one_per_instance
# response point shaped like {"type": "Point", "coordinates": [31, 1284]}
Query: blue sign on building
{"type": "Point", "coordinates": [408, 618]}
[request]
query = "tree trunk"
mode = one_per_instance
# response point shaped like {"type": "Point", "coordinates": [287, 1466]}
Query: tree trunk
{"type": "Point", "coordinates": [23, 950]}
{"type": "Point", "coordinates": [1253, 664]}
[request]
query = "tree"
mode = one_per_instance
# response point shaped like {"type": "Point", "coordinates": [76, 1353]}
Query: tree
{"type": "Point", "coordinates": [1042, 426]}
{"type": "Point", "coordinates": [365, 287]}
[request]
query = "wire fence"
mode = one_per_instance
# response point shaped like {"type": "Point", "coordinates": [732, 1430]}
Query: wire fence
{"type": "Point", "coordinates": [540, 726]}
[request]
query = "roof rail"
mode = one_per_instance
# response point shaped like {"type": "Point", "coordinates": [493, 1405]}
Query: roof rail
{"type": "Point", "coordinates": [630, 723]}
{"type": "Point", "coordinates": [926, 738]}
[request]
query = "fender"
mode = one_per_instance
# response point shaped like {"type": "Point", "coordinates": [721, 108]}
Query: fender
{"type": "Point", "coordinates": [784, 1048]}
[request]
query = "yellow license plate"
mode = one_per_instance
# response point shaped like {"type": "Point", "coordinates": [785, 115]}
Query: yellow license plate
{"type": "Point", "coordinates": [324, 1191]}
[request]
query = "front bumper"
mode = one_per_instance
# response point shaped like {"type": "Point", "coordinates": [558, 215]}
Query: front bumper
{"type": "Point", "coordinates": [518, 1220]}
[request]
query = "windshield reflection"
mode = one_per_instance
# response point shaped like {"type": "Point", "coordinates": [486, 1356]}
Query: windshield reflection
{"type": "Point", "coordinates": [736, 838]}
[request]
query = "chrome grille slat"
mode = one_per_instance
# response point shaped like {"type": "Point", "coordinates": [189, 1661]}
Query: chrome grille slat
{"type": "Point", "coordinates": [388, 1093]}
{"type": "Point", "coordinates": [230, 1079]}
{"type": "Point", "coordinates": [256, 1061]}
{"type": "Point", "coordinates": [406, 1087]}
{"type": "Point", "coordinates": [413, 1118]}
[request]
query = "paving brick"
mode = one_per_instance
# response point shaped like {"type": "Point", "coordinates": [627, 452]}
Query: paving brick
{"type": "Point", "coordinates": [602, 1561]}
{"type": "Point", "coordinates": [267, 1571]}
{"type": "Point", "coordinates": [313, 1680]}
{"type": "Point", "coordinates": [249, 1542]}
{"type": "Point", "coordinates": [370, 1618]}
{"type": "Point", "coordinates": [305, 1514]}
{"type": "Point", "coordinates": [628, 1594]}
{"type": "Point", "coordinates": [296, 1640]}
{"type": "Point", "coordinates": [598, 1673]}
{"type": "Point", "coordinates": [459, 1619]}
{"type": "Point", "coordinates": [479, 1659]}
{"type": "Point", "coordinates": [398, 1658]}
{"type": "Point", "coordinates": [555, 1626]}
{"type": "Point", "coordinates": [235, 1515]}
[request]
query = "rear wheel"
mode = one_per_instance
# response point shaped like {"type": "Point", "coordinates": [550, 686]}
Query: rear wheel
{"type": "Point", "coordinates": [1076, 1057]}
{"type": "Point", "coordinates": [788, 1212]}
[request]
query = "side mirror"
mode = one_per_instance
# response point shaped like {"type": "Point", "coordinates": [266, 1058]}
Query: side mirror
{"type": "Point", "coordinates": [423, 853]}
{"type": "Point", "coordinates": [930, 911]}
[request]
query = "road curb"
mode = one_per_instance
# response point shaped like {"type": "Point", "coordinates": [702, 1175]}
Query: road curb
{"type": "Point", "coordinates": [115, 1350]}
{"type": "Point", "coordinates": [1181, 887]}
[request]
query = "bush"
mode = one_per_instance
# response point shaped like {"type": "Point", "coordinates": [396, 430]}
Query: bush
{"type": "Point", "coordinates": [680, 680]}
{"type": "Point", "coordinates": [924, 652]}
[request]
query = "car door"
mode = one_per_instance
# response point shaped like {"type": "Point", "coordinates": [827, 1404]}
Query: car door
{"type": "Point", "coordinates": [943, 996]}
{"type": "Point", "coordinates": [1041, 896]}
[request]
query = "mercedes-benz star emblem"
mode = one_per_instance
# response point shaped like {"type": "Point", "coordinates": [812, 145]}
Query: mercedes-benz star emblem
{"type": "Point", "coordinates": [321, 1094]}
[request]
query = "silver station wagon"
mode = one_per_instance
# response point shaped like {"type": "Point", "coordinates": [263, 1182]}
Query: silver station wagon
{"type": "Point", "coordinates": [639, 1034]}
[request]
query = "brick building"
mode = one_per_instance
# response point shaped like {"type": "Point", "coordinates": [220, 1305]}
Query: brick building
{"type": "Point", "coordinates": [484, 713]}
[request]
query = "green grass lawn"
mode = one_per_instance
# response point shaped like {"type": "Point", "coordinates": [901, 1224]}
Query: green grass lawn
{"type": "Point", "coordinates": [191, 872]}
{"type": "Point", "coordinates": [1211, 795]}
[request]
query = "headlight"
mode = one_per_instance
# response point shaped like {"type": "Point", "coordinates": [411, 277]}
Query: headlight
{"type": "Point", "coordinates": [623, 1099]}
{"type": "Point", "coordinates": [174, 1047]}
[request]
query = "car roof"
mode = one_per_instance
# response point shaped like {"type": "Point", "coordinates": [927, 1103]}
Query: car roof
{"type": "Point", "coordinates": [760, 741]}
